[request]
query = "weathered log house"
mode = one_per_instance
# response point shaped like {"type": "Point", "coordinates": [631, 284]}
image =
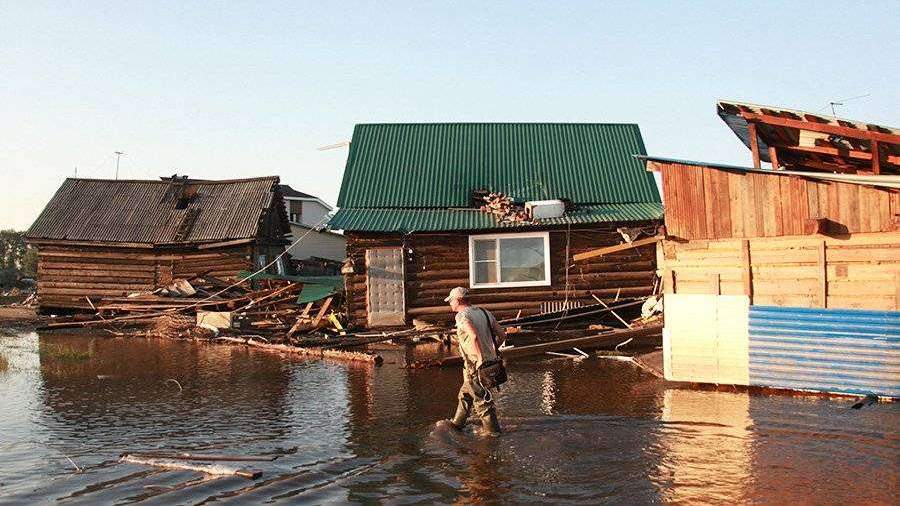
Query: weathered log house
{"type": "Point", "coordinates": [786, 277]}
{"type": "Point", "coordinates": [108, 238]}
{"type": "Point", "coordinates": [410, 205]}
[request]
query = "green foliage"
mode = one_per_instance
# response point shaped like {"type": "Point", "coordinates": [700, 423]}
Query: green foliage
{"type": "Point", "coordinates": [17, 260]}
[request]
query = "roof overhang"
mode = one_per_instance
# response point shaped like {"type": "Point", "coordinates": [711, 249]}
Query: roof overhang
{"type": "Point", "coordinates": [655, 163]}
{"type": "Point", "coordinates": [807, 141]}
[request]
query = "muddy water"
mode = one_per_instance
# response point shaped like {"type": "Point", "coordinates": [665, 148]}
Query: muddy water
{"type": "Point", "coordinates": [578, 432]}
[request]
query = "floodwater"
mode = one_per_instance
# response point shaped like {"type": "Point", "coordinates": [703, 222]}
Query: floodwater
{"type": "Point", "coordinates": [594, 431]}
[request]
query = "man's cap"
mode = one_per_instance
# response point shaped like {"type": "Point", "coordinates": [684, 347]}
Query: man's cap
{"type": "Point", "coordinates": [457, 293]}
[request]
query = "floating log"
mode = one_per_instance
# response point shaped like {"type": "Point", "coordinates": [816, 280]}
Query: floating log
{"type": "Point", "coordinates": [202, 458]}
{"type": "Point", "coordinates": [348, 356]}
{"type": "Point", "coordinates": [214, 469]}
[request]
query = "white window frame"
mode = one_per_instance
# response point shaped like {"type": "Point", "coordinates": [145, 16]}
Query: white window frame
{"type": "Point", "coordinates": [508, 284]}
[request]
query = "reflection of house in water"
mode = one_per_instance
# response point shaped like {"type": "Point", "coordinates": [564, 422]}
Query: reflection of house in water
{"type": "Point", "coordinates": [705, 447]}
{"type": "Point", "coordinates": [222, 393]}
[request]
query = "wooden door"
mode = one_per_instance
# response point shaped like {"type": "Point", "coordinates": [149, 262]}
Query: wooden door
{"type": "Point", "coordinates": [385, 299]}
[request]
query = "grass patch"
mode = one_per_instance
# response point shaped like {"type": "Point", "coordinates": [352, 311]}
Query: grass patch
{"type": "Point", "coordinates": [60, 352]}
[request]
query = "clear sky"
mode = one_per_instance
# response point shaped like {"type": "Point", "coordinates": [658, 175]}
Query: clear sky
{"type": "Point", "coordinates": [240, 89]}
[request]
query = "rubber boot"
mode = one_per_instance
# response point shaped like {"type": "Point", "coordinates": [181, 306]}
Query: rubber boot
{"type": "Point", "coordinates": [458, 421]}
{"type": "Point", "coordinates": [489, 424]}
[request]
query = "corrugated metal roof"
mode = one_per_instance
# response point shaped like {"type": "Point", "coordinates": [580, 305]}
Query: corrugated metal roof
{"type": "Point", "coordinates": [144, 211]}
{"type": "Point", "coordinates": [430, 220]}
{"type": "Point", "coordinates": [439, 165]}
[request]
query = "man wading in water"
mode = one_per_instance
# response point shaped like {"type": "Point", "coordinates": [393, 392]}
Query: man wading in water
{"type": "Point", "coordinates": [479, 335]}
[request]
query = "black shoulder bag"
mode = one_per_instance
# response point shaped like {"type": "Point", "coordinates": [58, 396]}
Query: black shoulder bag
{"type": "Point", "coordinates": [492, 373]}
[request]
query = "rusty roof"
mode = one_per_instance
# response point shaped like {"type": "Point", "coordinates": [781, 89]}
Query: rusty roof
{"type": "Point", "coordinates": [155, 212]}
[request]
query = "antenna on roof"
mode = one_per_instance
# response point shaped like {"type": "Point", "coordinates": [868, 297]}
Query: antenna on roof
{"type": "Point", "coordinates": [841, 101]}
{"type": "Point", "coordinates": [118, 156]}
{"type": "Point", "coordinates": [334, 146]}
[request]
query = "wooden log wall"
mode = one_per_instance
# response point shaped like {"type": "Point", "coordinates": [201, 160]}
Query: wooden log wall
{"type": "Point", "coordinates": [861, 271]}
{"type": "Point", "coordinates": [435, 263]}
{"type": "Point", "coordinates": [68, 274]}
{"type": "Point", "coordinates": [712, 203]}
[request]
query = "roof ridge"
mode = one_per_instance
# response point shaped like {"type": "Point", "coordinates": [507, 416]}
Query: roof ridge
{"type": "Point", "coordinates": [574, 123]}
{"type": "Point", "coordinates": [168, 181]}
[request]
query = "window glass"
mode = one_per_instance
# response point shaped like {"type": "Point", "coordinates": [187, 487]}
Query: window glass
{"type": "Point", "coordinates": [522, 259]}
{"type": "Point", "coordinates": [485, 272]}
{"type": "Point", "coordinates": [485, 249]}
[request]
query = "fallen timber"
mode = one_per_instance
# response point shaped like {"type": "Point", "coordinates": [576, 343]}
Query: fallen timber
{"type": "Point", "coordinates": [201, 458]}
{"type": "Point", "coordinates": [570, 314]}
{"type": "Point", "coordinates": [604, 339]}
{"type": "Point", "coordinates": [349, 356]}
{"type": "Point", "coordinates": [213, 469]}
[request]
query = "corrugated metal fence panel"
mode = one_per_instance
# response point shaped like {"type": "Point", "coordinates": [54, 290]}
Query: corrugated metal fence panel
{"type": "Point", "coordinates": [831, 350]}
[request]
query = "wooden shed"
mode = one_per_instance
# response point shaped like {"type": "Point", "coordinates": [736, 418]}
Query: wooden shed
{"type": "Point", "coordinates": [108, 238]}
{"type": "Point", "coordinates": [786, 277]}
{"type": "Point", "coordinates": [427, 207]}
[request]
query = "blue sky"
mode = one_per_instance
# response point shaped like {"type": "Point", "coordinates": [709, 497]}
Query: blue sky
{"type": "Point", "coordinates": [240, 89]}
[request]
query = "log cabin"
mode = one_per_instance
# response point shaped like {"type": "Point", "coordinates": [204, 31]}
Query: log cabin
{"type": "Point", "coordinates": [785, 276]}
{"type": "Point", "coordinates": [99, 238]}
{"type": "Point", "coordinates": [500, 208]}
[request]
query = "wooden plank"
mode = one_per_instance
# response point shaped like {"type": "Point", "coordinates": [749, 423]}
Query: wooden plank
{"type": "Point", "coordinates": [823, 276]}
{"type": "Point", "coordinates": [821, 127]}
{"type": "Point", "coordinates": [715, 284]}
{"type": "Point", "coordinates": [876, 158]}
{"type": "Point", "coordinates": [754, 143]}
{"type": "Point", "coordinates": [897, 291]}
{"type": "Point", "coordinates": [845, 153]}
{"type": "Point", "coordinates": [224, 244]}
{"type": "Point", "coordinates": [619, 247]}
{"type": "Point", "coordinates": [747, 274]}
{"type": "Point", "coordinates": [735, 203]}
{"type": "Point", "coordinates": [321, 313]}
{"type": "Point", "coordinates": [773, 157]}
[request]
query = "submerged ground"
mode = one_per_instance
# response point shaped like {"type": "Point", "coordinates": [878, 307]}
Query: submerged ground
{"type": "Point", "coordinates": [591, 431]}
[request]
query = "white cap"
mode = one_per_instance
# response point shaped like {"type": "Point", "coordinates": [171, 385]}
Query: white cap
{"type": "Point", "coordinates": [457, 293]}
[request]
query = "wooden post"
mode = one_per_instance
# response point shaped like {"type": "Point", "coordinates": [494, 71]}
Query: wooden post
{"type": "Point", "coordinates": [747, 274]}
{"type": "Point", "coordinates": [897, 291]}
{"type": "Point", "coordinates": [715, 284]}
{"type": "Point", "coordinates": [669, 281]}
{"type": "Point", "coordinates": [823, 276]}
{"type": "Point", "coordinates": [754, 143]}
{"type": "Point", "coordinates": [773, 156]}
{"type": "Point", "coordinates": [876, 158]}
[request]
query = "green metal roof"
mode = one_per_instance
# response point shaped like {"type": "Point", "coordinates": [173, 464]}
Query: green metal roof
{"type": "Point", "coordinates": [438, 165]}
{"type": "Point", "coordinates": [431, 220]}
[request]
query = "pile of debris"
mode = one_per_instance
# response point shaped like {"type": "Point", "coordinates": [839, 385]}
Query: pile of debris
{"type": "Point", "coordinates": [503, 207]}
{"type": "Point", "coordinates": [269, 309]}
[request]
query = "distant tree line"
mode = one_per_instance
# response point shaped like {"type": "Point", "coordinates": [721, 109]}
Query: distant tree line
{"type": "Point", "coordinates": [17, 260]}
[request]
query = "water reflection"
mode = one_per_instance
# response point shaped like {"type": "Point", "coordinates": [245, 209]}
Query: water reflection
{"type": "Point", "coordinates": [584, 431]}
{"type": "Point", "coordinates": [705, 433]}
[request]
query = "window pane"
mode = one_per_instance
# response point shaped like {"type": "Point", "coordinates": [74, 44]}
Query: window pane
{"type": "Point", "coordinates": [522, 259]}
{"type": "Point", "coordinates": [485, 272]}
{"type": "Point", "coordinates": [485, 249]}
